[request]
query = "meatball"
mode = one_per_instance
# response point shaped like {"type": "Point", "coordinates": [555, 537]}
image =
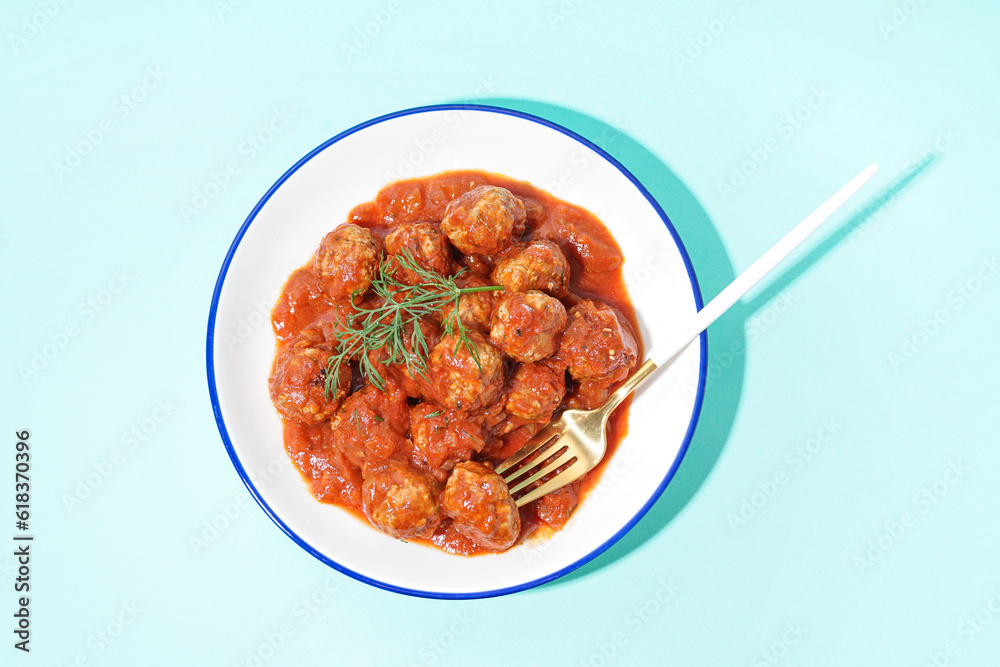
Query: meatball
{"type": "Point", "coordinates": [369, 427]}
{"type": "Point", "coordinates": [484, 220]}
{"type": "Point", "coordinates": [527, 325]}
{"type": "Point", "coordinates": [555, 508]}
{"type": "Point", "coordinates": [509, 437]}
{"type": "Point", "coordinates": [475, 309]}
{"type": "Point", "coordinates": [536, 390]}
{"type": "Point", "coordinates": [426, 244]}
{"type": "Point", "coordinates": [478, 265]}
{"type": "Point", "coordinates": [478, 502]}
{"type": "Point", "coordinates": [598, 343]}
{"type": "Point", "coordinates": [588, 394]}
{"type": "Point", "coordinates": [347, 260]}
{"type": "Point", "coordinates": [298, 380]}
{"type": "Point", "coordinates": [462, 380]}
{"type": "Point", "coordinates": [441, 438]}
{"type": "Point", "coordinates": [539, 265]}
{"type": "Point", "coordinates": [400, 500]}
{"type": "Point", "coordinates": [492, 413]}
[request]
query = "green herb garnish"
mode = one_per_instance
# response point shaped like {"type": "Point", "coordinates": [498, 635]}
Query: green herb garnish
{"type": "Point", "coordinates": [384, 326]}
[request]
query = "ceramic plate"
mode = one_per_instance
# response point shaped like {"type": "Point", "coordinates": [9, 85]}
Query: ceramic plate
{"type": "Point", "coordinates": [314, 196]}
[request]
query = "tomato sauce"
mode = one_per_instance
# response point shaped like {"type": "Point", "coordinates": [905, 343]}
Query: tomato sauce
{"type": "Point", "coordinates": [595, 273]}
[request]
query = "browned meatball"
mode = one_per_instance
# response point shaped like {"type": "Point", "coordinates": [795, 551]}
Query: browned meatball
{"type": "Point", "coordinates": [441, 437]}
{"type": "Point", "coordinates": [509, 437]}
{"type": "Point", "coordinates": [475, 309]}
{"type": "Point", "coordinates": [478, 502]}
{"type": "Point", "coordinates": [298, 380]}
{"type": "Point", "coordinates": [370, 426]}
{"type": "Point", "coordinates": [588, 394]}
{"type": "Point", "coordinates": [347, 260]}
{"type": "Point", "coordinates": [536, 390]}
{"type": "Point", "coordinates": [426, 244]}
{"type": "Point", "coordinates": [539, 265]}
{"type": "Point", "coordinates": [527, 325]}
{"type": "Point", "coordinates": [462, 381]}
{"type": "Point", "coordinates": [400, 500]}
{"type": "Point", "coordinates": [484, 220]}
{"type": "Point", "coordinates": [598, 343]}
{"type": "Point", "coordinates": [478, 265]}
{"type": "Point", "coordinates": [555, 508]}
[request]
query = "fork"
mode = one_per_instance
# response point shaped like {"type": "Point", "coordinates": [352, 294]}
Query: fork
{"type": "Point", "coordinates": [576, 442]}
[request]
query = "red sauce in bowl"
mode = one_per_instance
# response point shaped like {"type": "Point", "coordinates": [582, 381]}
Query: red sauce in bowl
{"type": "Point", "coordinates": [595, 268]}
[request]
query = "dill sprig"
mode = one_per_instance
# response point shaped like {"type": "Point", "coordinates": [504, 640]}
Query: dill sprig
{"type": "Point", "coordinates": [383, 327]}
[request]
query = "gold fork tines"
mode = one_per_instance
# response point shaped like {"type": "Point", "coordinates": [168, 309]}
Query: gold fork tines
{"type": "Point", "coordinates": [579, 432]}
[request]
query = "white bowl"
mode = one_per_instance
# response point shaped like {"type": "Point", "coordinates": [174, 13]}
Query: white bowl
{"type": "Point", "coordinates": [315, 195]}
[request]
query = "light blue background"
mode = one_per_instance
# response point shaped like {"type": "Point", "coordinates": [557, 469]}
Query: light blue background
{"type": "Point", "coordinates": [888, 82]}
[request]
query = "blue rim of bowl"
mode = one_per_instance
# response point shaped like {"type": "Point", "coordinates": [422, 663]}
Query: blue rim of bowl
{"type": "Point", "coordinates": [702, 371]}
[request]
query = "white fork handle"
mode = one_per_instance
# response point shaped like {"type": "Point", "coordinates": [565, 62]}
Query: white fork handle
{"type": "Point", "coordinates": [746, 280]}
